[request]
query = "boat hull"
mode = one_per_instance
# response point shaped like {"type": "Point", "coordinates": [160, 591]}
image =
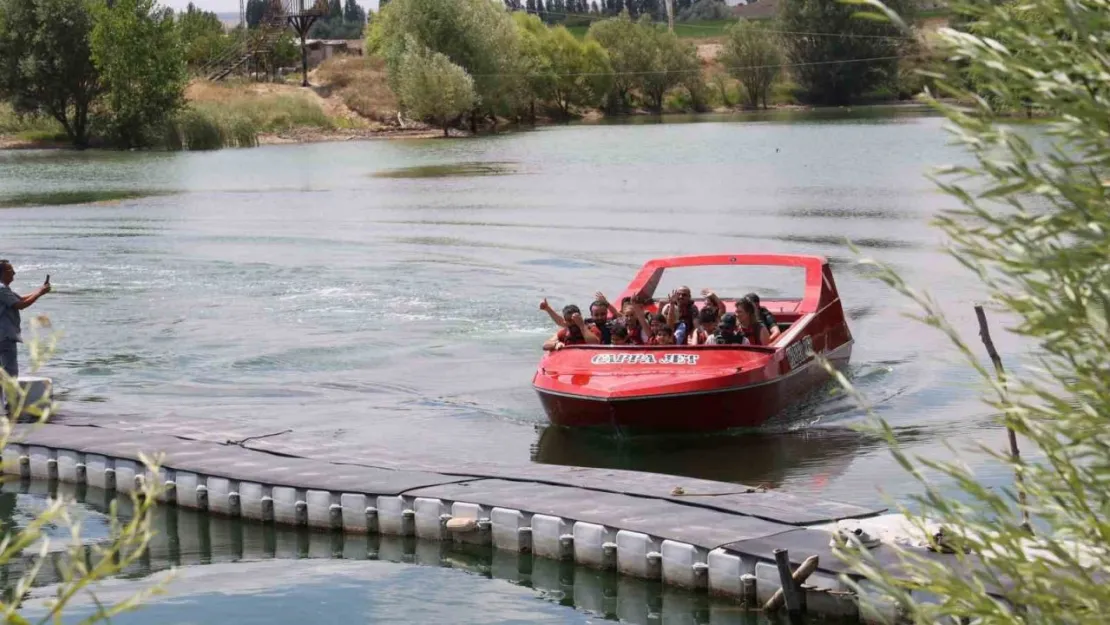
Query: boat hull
{"type": "Point", "coordinates": [721, 409]}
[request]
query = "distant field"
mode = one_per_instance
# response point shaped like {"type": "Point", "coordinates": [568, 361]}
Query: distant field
{"type": "Point", "coordinates": [685, 30]}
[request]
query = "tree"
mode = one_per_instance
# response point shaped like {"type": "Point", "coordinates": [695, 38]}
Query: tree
{"type": "Point", "coordinates": [136, 48]}
{"type": "Point", "coordinates": [594, 9]}
{"type": "Point", "coordinates": [631, 49]}
{"type": "Point", "coordinates": [256, 10]}
{"type": "Point", "coordinates": [1033, 223]}
{"type": "Point", "coordinates": [477, 35]}
{"type": "Point", "coordinates": [45, 62]}
{"type": "Point", "coordinates": [846, 56]}
{"type": "Point", "coordinates": [673, 62]}
{"type": "Point", "coordinates": [335, 9]}
{"type": "Point", "coordinates": [563, 70]}
{"type": "Point", "coordinates": [354, 14]}
{"type": "Point", "coordinates": [202, 35]}
{"type": "Point", "coordinates": [530, 6]}
{"type": "Point", "coordinates": [332, 28]}
{"type": "Point", "coordinates": [752, 56]}
{"type": "Point", "coordinates": [434, 88]}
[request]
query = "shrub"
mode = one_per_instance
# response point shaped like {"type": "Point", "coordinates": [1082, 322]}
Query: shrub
{"type": "Point", "coordinates": [1033, 223]}
{"type": "Point", "coordinates": [432, 87]}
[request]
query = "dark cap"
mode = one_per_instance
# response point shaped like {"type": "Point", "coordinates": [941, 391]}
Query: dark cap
{"type": "Point", "coordinates": [729, 320]}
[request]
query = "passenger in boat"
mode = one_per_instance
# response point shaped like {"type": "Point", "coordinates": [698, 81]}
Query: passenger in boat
{"type": "Point", "coordinates": [727, 333]}
{"type": "Point", "coordinates": [618, 332]}
{"type": "Point", "coordinates": [765, 316]}
{"type": "Point", "coordinates": [575, 332]}
{"type": "Point", "coordinates": [599, 316]}
{"type": "Point", "coordinates": [686, 311]}
{"type": "Point", "coordinates": [705, 333]}
{"type": "Point", "coordinates": [662, 336]}
{"type": "Point", "coordinates": [711, 299]}
{"type": "Point", "coordinates": [635, 321]}
{"type": "Point", "coordinates": [750, 324]}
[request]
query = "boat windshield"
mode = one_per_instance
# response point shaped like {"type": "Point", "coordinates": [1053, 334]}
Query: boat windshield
{"type": "Point", "coordinates": [731, 282]}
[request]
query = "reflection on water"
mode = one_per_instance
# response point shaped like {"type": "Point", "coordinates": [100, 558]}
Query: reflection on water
{"type": "Point", "coordinates": [232, 572]}
{"type": "Point", "coordinates": [61, 198]}
{"type": "Point", "coordinates": [754, 459]}
{"type": "Point", "coordinates": [449, 170]}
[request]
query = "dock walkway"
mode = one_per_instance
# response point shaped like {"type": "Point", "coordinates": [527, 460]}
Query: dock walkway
{"type": "Point", "coordinates": [689, 533]}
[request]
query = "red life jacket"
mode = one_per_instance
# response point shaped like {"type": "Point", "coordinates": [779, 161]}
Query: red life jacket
{"type": "Point", "coordinates": [571, 335]}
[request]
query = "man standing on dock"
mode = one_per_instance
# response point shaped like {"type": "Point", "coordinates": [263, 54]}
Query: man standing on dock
{"type": "Point", "coordinates": [10, 305]}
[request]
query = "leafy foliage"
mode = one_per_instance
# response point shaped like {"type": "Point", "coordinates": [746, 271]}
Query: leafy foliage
{"type": "Point", "coordinates": [1034, 224]}
{"type": "Point", "coordinates": [560, 68]}
{"type": "Point", "coordinates": [752, 55]}
{"type": "Point", "coordinates": [348, 23]}
{"type": "Point", "coordinates": [432, 87]}
{"type": "Point", "coordinates": [202, 35]}
{"type": "Point", "coordinates": [477, 35]}
{"type": "Point", "coordinates": [136, 48]}
{"type": "Point", "coordinates": [675, 62]}
{"type": "Point", "coordinates": [45, 62]}
{"type": "Point", "coordinates": [645, 59]}
{"type": "Point", "coordinates": [631, 53]}
{"type": "Point", "coordinates": [848, 55]}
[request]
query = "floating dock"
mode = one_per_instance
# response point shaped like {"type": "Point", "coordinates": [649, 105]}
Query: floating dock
{"type": "Point", "coordinates": [694, 534]}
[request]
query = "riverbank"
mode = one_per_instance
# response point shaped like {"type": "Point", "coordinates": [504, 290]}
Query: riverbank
{"type": "Point", "coordinates": [349, 100]}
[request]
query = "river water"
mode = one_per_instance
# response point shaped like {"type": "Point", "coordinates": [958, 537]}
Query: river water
{"type": "Point", "coordinates": [386, 292]}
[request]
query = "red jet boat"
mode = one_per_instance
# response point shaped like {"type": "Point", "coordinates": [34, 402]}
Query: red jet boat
{"type": "Point", "coordinates": [701, 387]}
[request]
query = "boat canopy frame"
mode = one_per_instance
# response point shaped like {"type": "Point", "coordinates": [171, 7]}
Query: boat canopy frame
{"type": "Point", "coordinates": [819, 289]}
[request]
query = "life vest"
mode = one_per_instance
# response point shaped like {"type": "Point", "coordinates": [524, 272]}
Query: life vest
{"type": "Point", "coordinates": [767, 318]}
{"type": "Point", "coordinates": [735, 338]}
{"type": "Point", "coordinates": [571, 335]}
{"type": "Point", "coordinates": [752, 334]}
{"type": "Point", "coordinates": [603, 330]}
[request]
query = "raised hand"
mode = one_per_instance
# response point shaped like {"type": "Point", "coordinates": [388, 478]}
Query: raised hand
{"type": "Point", "coordinates": [707, 293]}
{"type": "Point", "coordinates": [544, 305]}
{"type": "Point", "coordinates": [599, 296]}
{"type": "Point", "coordinates": [576, 319]}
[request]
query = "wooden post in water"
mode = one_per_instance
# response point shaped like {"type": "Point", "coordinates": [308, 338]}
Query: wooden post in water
{"type": "Point", "coordinates": [1015, 454]}
{"type": "Point", "coordinates": [790, 591]}
{"type": "Point", "coordinates": [800, 575]}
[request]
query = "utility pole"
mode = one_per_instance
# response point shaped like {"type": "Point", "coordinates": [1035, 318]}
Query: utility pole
{"type": "Point", "coordinates": [670, 15]}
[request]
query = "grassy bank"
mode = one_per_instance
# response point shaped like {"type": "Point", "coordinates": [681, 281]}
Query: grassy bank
{"type": "Point", "coordinates": [29, 129]}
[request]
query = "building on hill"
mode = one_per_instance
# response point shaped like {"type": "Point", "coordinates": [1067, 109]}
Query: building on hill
{"type": "Point", "coordinates": [320, 50]}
